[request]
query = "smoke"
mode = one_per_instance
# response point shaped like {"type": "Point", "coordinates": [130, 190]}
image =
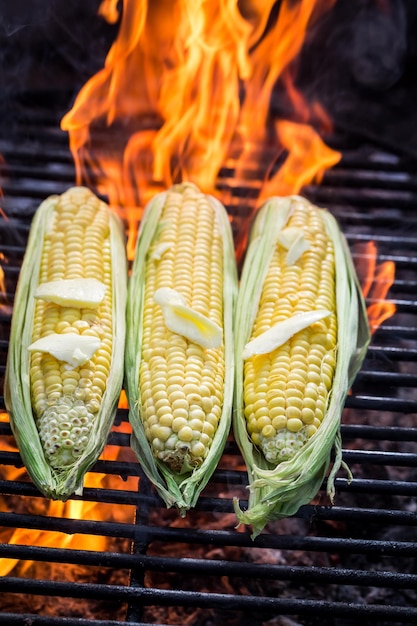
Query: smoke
{"type": "Point", "coordinates": [359, 63]}
{"type": "Point", "coordinates": [50, 45]}
{"type": "Point", "coordinates": [377, 44]}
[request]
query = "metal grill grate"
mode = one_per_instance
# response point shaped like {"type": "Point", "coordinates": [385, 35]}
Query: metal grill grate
{"type": "Point", "coordinates": [328, 565]}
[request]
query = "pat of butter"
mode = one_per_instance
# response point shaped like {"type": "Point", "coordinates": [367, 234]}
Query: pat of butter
{"type": "Point", "coordinates": [70, 348]}
{"type": "Point", "coordinates": [160, 250]}
{"type": "Point", "coordinates": [281, 332]}
{"type": "Point", "coordinates": [293, 240]}
{"type": "Point", "coordinates": [85, 293]}
{"type": "Point", "coordinates": [185, 321]}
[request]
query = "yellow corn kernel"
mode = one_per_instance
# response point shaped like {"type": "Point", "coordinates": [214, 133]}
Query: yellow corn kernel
{"type": "Point", "coordinates": [307, 358]}
{"type": "Point", "coordinates": [74, 241]}
{"type": "Point", "coordinates": [301, 334]}
{"type": "Point", "coordinates": [73, 309]}
{"type": "Point", "coordinates": [191, 265]}
{"type": "Point", "coordinates": [180, 356]}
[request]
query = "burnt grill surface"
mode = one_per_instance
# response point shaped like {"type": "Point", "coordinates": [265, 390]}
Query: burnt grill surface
{"type": "Point", "coordinates": [331, 565]}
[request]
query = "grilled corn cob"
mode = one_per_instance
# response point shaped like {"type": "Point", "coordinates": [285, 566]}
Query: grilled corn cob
{"type": "Point", "coordinates": [65, 363]}
{"type": "Point", "coordinates": [179, 355]}
{"type": "Point", "coordinates": [301, 333]}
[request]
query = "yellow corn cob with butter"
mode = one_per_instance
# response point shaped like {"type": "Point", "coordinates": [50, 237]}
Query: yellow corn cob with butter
{"type": "Point", "coordinates": [179, 349]}
{"type": "Point", "coordinates": [301, 333]}
{"type": "Point", "coordinates": [65, 363]}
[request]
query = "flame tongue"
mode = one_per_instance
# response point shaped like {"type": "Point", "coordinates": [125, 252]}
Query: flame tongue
{"type": "Point", "coordinates": [376, 280]}
{"type": "Point", "coordinates": [187, 83]}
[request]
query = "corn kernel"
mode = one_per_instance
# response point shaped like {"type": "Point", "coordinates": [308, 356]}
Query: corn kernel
{"type": "Point", "coordinates": [279, 422]}
{"type": "Point", "coordinates": [303, 366]}
{"type": "Point", "coordinates": [294, 424]}
{"type": "Point", "coordinates": [186, 434]}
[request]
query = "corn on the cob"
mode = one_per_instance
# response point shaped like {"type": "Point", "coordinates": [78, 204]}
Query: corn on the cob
{"type": "Point", "coordinates": [179, 356]}
{"type": "Point", "coordinates": [65, 363]}
{"type": "Point", "coordinates": [301, 334]}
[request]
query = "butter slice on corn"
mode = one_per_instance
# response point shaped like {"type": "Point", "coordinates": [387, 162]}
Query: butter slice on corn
{"type": "Point", "coordinates": [65, 363]}
{"type": "Point", "coordinates": [301, 333]}
{"type": "Point", "coordinates": [179, 349]}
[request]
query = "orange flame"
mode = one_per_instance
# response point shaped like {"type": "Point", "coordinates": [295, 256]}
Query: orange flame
{"type": "Point", "coordinates": [308, 158]}
{"type": "Point", "coordinates": [2, 277]}
{"type": "Point", "coordinates": [71, 509]}
{"type": "Point", "coordinates": [109, 10]}
{"type": "Point", "coordinates": [5, 306]}
{"type": "Point", "coordinates": [376, 280]}
{"type": "Point", "coordinates": [185, 84]}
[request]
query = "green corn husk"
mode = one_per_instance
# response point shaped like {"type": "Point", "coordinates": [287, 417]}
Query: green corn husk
{"type": "Point", "coordinates": [279, 491]}
{"type": "Point", "coordinates": [181, 490]}
{"type": "Point", "coordinates": [60, 483]}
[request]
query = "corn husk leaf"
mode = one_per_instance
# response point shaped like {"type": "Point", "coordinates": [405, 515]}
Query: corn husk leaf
{"type": "Point", "coordinates": [52, 483]}
{"type": "Point", "coordinates": [277, 491]}
{"type": "Point", "coordinates": [182, 490]}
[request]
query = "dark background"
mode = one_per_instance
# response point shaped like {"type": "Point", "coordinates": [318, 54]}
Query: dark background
{"type": "Point", "coordinates": [359, 61]}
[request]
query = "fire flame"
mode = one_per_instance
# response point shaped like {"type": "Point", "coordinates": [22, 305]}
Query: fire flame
{"type": "Point", "coordinates": [376, 280]}
{"type": "Point", "coordinates": [185, 85]}
{"type": "Point", "coordinates": [4, 306]}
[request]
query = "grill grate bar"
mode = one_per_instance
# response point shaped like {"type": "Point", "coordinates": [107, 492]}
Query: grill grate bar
{"type": "Point", "coordinates": [397, 548]}
{"type": "Point", "coordinates": [126, 561]}
{"type": "Point", "coordinates": [130, 498]}
{"type": "Point", "coordinates": [369, 178]}
{"type": "Point", "coordinates": [108, 496]}
{"type": "Point", "coordinates": [392, 353]}
{"type": "Point", "coordinates": [128, 531]}
{"type": "Point", "coordinates": [207, 567]}
{"type": "Point", "coordinates": [397, 379]}
{"type": "Point", "coordinates": [390, 433]}
{"type": "Point", "coordinates": [381, 403]}
{"type": "Point", "coordinates": [228, 602]}
{"type": "Point", "coordinates": [25, 619]}
{"type": "Point", "coordinates": [373, 194]}
{"type": "Point", "coordinates": [369, 198]}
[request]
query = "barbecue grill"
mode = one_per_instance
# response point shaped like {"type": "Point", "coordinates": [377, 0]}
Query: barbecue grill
{"type": "Point", "coordinates": [328, 565]}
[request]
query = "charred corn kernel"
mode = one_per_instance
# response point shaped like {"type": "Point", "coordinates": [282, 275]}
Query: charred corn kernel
{"type": "Point", "coordinates": [300, 335]}
{"type": "Point", "coordinates": [180, 346]}
{"type": "Point", "coordinates": [65, 367]}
